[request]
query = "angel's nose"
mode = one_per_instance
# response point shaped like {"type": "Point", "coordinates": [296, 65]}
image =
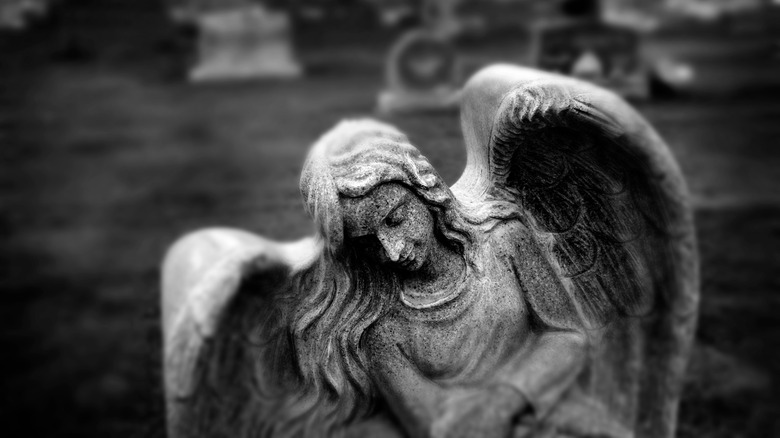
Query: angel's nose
{"type": "Point", "coordinates": [392, 247]}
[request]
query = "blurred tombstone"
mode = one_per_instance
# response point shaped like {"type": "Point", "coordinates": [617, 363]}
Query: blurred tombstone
{"type": "Point", "coordinates": [441, 16]}
{"type": "Point", "coordinates": [244, 42]}
{"type": "Point", "coordinates": [709, 10]}
{"type": "Point", "coordinates": [605, 54]}
{"type": "Point", "coordinates": [479, 18]}
{"type": "Point", "coordinates": [456, 18]}
{"type": "Point", "coordinates": [18, 14]}
{"type": "Point", "coordinates": [642, 15]}
{"type": "Point", "coordinates": [394, 13]}
{"type": "Point", "coordinates": [422, 75]}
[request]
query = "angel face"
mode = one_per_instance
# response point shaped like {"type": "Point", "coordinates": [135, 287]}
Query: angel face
{"type": "Point", "coordinates": [391, 225]}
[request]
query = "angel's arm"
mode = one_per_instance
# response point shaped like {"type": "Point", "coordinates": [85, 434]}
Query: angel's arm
{"type": "Point", "coordinates": [427, 409]}
{"type": "Point", "coordinates": [556, 351]}
{"type": "Point", "coordinates": [412, 397]}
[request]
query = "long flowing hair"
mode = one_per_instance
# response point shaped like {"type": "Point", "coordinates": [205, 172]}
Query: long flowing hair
{"type": "Point", "coordinates": [308, 375]}
{"type": "Point", "coordinates": [342, 295]}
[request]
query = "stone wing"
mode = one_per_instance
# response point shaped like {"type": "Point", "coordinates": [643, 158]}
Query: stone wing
{"type": "Point", "coordinates": [596, 184]}
{"type": "Point", "coordinates": [227, 356]}
{"type": "Point", "coordinates": [608, 206]}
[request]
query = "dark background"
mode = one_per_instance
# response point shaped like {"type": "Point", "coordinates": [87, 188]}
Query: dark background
{"type": "Point", "coordinates": [107, 155]}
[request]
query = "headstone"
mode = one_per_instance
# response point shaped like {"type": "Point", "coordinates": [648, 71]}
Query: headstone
{"type": "Point", "coordinates": [642, 15]}
{"type": "Point", "coordinates": [441, 16]}
{"type": "Point", "coordinates": [241, 43]}
{"type": "Point", "coordinates": [605, 54]}
{"type": "Point", "coordinates": [422, 75]}
{"type": "Point", "coordinates": [709, 10]}
{"type": "Point", "coordinates": [17, 14]}
{"type": "Point", "coordinates": [394, 13]}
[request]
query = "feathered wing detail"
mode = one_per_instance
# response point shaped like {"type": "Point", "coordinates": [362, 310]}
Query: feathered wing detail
{"type": "Point", "coordinates": [227, 356]}
{"type": "Point", "coordinates": [608, 206]}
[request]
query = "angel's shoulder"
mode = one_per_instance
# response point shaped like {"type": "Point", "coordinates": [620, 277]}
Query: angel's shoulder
{"type": "Point", "coordinates": [509, 237]}
{"type": "Point", "coordinates": [383, 336]}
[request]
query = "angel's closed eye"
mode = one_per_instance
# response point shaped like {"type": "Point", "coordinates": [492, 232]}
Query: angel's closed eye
{"type": "Point", "coordinates": [397, 216]}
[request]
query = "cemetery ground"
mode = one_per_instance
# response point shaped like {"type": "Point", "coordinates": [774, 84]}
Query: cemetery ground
{"type": "Point", "coordinates": [106, 160]}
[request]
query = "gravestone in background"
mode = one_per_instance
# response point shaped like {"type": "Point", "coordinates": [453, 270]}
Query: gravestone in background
{"type": "Point", "coordinates": [17, 14]}
{"type": "Point", "coordinates": [601, 53]}
{"type": "Point", "coordinates": [394, 13]}
{"type": "Point", "coordinates": [642, 15]}
{"type": "Point", "coordinates": [244, 42]}
{"type": "Point", "coordinates": [442, 16]}
{"type": "Point", "coordinates": [422, 75]}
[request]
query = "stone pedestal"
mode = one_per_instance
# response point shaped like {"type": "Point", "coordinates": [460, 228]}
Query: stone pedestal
{"type": "Point", "coordinates": [242, 43]}
{"type": "Point", "coordinates": [422, 75]}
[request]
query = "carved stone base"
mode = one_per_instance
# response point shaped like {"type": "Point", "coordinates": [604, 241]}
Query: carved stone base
{"type": "Point", "coordinates": [393, 102]}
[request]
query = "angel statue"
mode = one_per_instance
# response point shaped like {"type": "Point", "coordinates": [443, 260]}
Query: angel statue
{"type": "Point", "coordinates": [551, 292]}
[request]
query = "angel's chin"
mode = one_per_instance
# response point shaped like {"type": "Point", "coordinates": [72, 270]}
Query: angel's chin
{"type": "Point", "coordinates": [411, 265]}
{"type": "Point", "coordinates": [417, 264]}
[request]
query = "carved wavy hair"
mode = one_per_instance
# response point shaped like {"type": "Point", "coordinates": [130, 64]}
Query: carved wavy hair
{"type": "Point", "coordinates": [342, 295]}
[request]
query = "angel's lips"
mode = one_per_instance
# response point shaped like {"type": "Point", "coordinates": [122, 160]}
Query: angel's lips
{"type": "Point", "coordinates": [408, 260]}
